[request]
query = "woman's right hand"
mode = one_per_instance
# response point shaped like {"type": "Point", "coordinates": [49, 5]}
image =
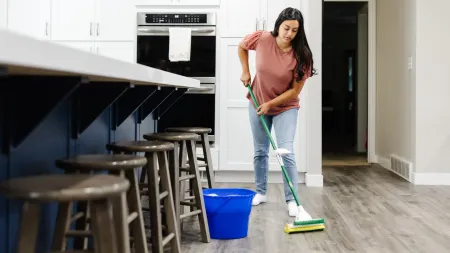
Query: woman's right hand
{"type": "Point", "coordinates": [245, 78]}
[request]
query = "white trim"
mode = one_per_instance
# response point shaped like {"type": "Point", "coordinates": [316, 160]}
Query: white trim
{"type": "Point", "coordinates": [418, 178]}
{"type": "Point", "coordinates": [431, 178]}
{"type": "Point", "coordinates": [314, 180]}
{"type": "Point", "coordinates": [248, 176]}
{"type": "Point", "coordinates": [372, 82]}
{"type": "Point", "coordinates": [383, 161]}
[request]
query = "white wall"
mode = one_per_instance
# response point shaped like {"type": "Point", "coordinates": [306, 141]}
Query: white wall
{"type": "Point", "coordinates": [412, 105]}
{"type": "Point", "coordinates": [394, 86]}
{"type": "Point", "coordinates": [433, 87]}
{"type": "Point", "coordinates": [3, 11]}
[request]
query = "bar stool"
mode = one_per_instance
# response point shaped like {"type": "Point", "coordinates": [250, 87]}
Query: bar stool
{"type": "Point", "coordinates": [203, 132]}
{"type": "Point", "coordinates": [123, 166]}
{"type": "Point", "coordinates": [156, 154]}
{"type": "Point", "coordinates": [188, 139]}
{"type": "Point", "coordinates": [98, 189]}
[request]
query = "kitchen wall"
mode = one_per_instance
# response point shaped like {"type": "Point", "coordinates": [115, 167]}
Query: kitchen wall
{"type": "Point", "coordinates": [412, 104]}
{"type": "Point", "coordinates": [395, 83]}
{"type": "Point", "coordinates": [432, 149]}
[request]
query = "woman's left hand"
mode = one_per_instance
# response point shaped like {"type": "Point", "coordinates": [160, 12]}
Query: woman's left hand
{"type": "Point", "coordinates": [263, 109]}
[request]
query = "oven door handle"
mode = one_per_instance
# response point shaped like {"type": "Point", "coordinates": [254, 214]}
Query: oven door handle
{"type": "Point", "coordinates": [165, 31]}
{"type": "Point", "coordinates": [200, 90]}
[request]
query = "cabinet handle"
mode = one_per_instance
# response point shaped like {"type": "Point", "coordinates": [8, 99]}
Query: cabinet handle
{"type": "Point", "coordinates": [90, 28]}
{"type": "Point", "coordinates": [46, 28]}
{"type": "Point", "coordinates": [264, 24]}
{"type": "Point", "coordinates": [98, 29]}
{"type": "Point", "coordinates": [256, 25]}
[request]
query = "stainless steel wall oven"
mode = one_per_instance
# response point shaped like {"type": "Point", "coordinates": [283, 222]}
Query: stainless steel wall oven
{"type": "Point", "coordinates": [197, 106]}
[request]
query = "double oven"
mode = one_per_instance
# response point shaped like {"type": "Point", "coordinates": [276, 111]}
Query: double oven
{"type": "Point", "coordinates": [197, 106]}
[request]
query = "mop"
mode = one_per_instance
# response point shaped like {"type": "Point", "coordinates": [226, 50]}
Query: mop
{"type": "Point", "coordinates": [303, 221]}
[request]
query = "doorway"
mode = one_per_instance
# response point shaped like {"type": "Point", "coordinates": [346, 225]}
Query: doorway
{"type": "Point", "coordinates": [345, 83]}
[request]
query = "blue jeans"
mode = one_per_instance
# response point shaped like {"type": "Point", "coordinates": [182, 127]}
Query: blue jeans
{"type": "Point", "coordinates": [285, 125]}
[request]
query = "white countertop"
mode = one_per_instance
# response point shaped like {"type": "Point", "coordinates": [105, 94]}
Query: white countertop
{"type": "Point", "coordinates": [26, 55]}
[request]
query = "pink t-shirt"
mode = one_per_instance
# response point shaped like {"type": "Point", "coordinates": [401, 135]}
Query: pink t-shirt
{"type": "Point", "coordinates": [275, 70]}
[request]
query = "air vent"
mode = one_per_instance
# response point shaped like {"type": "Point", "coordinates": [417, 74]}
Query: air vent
{"type": "Point", "coordinates": [401, 167]}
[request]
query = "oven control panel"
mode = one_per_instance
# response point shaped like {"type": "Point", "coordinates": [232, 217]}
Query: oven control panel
{"type": "Point", "coordinates": [176, 18]}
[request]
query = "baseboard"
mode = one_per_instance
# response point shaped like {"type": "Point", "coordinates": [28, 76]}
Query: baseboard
{"type": "Point", "coordinates": [248, 176]}
{"type": "Point", "coordinates": [314, 180]}
{"type": "Point", "coordinates": [383, 161]}
{"type": "Point", "coordinates": [418, 178]}
{"type": "Point", "coordinates": [431, 178]}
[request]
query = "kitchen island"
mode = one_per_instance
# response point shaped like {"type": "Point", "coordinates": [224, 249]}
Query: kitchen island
{"type": "Point", "coordinates": [58, 101]}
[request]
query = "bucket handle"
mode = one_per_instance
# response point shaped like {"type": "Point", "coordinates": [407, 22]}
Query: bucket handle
{"type": "Point", "coordinates": [217, 209]}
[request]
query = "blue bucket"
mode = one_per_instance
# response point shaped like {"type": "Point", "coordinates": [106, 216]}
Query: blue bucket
{"type": "Point", "coordinates": [228, 212]}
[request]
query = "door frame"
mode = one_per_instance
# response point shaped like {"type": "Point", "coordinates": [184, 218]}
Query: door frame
{"type": "Point", "coordinates": [313, 15]}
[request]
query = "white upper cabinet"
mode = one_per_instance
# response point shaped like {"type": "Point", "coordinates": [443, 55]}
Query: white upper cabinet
{"type": "Point", "coordinates": [239, 18]}
{"type": "Point", "coordinates": [30, 17]}
{"type": "Point", "coordinates": [82, 20]}
{"type": "Point", "coordinates": [114, 20]}
{"type": "Point", "coordinates": [177, 2]}
{"type": "Point", "coordinates": [73, 20]}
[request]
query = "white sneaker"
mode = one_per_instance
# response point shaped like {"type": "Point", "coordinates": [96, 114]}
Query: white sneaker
{"type": "Point", "coordinates": [292, 208]}
{"type": "Point", "coordinates": [258, 199]}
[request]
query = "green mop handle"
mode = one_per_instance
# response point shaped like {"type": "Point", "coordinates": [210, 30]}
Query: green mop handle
{"type": "Point", "coordinates": [261, 117]}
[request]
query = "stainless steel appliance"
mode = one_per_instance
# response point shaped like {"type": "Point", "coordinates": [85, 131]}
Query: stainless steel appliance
{"type": "Point", "coordinates": [197, 106]}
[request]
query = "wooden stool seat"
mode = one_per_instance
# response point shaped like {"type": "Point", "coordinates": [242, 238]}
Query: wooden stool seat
{"type": "Point", "coordinates": [99, 190]}
{"type": "Point", "coordinates": [62, 187]}
{"type": "Point", "coordinates": [101, 162]}
{"type": "Point", "coordinates": [171, 136]}
{"type": "Point", "coordinates": [195, 130]}
{"type": "Point", "coordinates": [140, 146]}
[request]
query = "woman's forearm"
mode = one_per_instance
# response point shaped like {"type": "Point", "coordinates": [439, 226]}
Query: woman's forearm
{"type": "Point", "coordinates": [243, 57]}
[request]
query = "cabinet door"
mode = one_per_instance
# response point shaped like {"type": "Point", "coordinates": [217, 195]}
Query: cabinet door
{"type": "Point", "coordinates": [73, 20]}
{"type": "Point", "coordinates": [123, 51]}
{"type": "Point", "coordinates": [114, 20]}
{"type": "Point", "coordinates": [239, 18]}
{"type": "Point", "coordinates": [273, 8]}
{"type": "Point", "coordinates": [197, 2]}
{"type": "Point", "coordinates": [154, 2]}
{"type": "Point", "coordinates": [21, 12]}
{"type": "Point", "coordinates": [3, 13]}
{"type": "Point", "coordinates": [235, 136]}
{"type": "Point", "coordinates": [84, 46]}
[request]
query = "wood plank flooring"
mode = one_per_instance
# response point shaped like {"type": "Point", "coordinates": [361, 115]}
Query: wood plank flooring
{"type": "Point", "coordinates": [366, 209]}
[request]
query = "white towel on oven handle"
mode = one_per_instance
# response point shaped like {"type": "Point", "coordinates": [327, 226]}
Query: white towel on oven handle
{"type": "Point", "coordinates": [179, 44]}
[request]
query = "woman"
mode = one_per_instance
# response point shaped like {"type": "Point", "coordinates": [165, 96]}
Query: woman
{"type": "Point", "coordinates": [283, 63]}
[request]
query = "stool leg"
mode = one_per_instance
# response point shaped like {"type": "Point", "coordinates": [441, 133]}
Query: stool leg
{"type": "Point", "coordinates": [198, 193]}
{"type": "Point", "coordinates": [62, 226]}
{"type": "Point", "coordinates": [29, 227]}
{"type": "Point", "coordinates": [134, 205]}
{"type": "Point", "coordinates": [154, 204]}
{"type": "Point", "coordinates": [171, 218]}
{"type": "Point", "coordinates": [174, 166]}
{"type": "Point", "coordinates": [208, 160]}
{"type": "Point", "coordinates": [102, 227]}
{"type": "Point", "coordinates": [120, 214]}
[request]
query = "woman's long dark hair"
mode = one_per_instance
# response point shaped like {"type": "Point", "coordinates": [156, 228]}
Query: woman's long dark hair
{"type": "Point", "coordinates": [300, 44]}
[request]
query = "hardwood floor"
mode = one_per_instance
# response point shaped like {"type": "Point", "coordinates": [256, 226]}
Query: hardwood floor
{"type": "Point", "coordinates": [366, 209]}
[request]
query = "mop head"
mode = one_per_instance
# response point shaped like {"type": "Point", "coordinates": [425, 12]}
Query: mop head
{"type": "Point", "coordinates": [304, 223]}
